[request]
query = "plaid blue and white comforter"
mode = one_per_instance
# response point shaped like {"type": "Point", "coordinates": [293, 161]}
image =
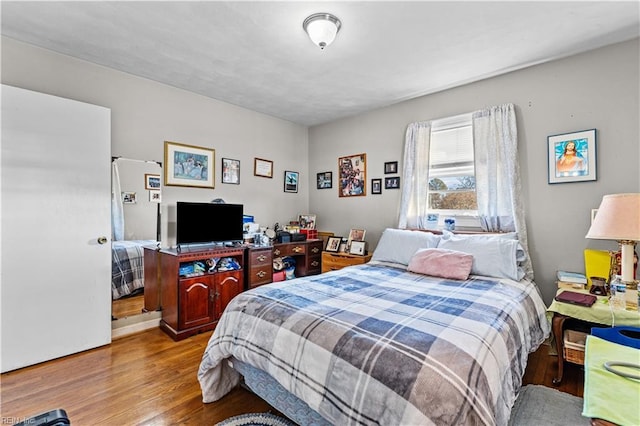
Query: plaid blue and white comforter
{"type": "Point", "coordinates": [373, 344]}
{"type": "Point", "coordinates": [127, 266]}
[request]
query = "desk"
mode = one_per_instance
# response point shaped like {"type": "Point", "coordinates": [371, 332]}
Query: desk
{"type": "Point", "coordinates": [599, 313]}
{"type": "Point", "coordinates": [608, 396]}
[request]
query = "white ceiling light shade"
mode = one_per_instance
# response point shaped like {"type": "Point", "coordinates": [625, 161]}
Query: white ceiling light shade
{"type": "Point", "coordinates": [322, 28]}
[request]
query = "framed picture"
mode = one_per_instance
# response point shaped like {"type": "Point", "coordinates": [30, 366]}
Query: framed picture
{"type": "Point", "coordinates": [291, 181]}
{"type": "Point", "coordinates": [333, 244]}
{"type": "Point", "coordinates": [355, 235]}
{"type": "Point", "coordinates": [155, 196]}
{"type": "Point", "coordinates": [128, 197]}
{"type": "Point", "coordinates": [390, 167]}
{"type": "Point", "coordinates": [392, 182]}
{"type": "Point", "coordinates": [262, 167]}
{"type": "Point", "coordinates": [572, 157]}
{"type": "Point", "coordinates": [376, 186]}
{"type": "Point", "coordinates": [231, 171]}
{"type": "Point", "coordinates": [353, 175]}
{"type": "Point", "coordinates": [188, 165]}
{"type": "Point", "coordinates": [151, 181]}
{"type": "Point", "coordinates": [325, 180]}
{"type": "Point", "coordinates": [358, 247]}
{"type": "Point", "coordinates": [307, 221]}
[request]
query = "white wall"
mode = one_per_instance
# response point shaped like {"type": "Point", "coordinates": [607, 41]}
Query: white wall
{"type": "Point", "coordinates": [597, 89]}
{"type": "Point", "coordinates": [144, 114]}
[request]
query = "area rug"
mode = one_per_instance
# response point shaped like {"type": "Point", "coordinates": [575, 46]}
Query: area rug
{"type": "Point", "coordinates": [540, 405]}
{"type": "Point", "coordinates": [256, 419]}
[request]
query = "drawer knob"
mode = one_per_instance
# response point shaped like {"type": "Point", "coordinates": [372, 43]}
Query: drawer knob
{"type": "Point", "coordinates": [262, 258]}
{"type": "Point", "coordinates": [276, 252]}
{"type": "Point", "coordinates": [315, 250]}
{"type": "Point", "coordinates": [261, 274]}
{"type": "Point", "coordinates": [315, 263]}
{"type": "Point", "coordinates": [297, 249]}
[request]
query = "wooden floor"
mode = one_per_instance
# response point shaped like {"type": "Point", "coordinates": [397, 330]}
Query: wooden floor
{"type": "Point", "coordinates": [127, 306]}
{"type": "Point", "coordinates": [148, 379]}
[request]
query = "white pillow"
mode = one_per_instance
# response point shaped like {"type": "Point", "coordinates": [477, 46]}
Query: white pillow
{"type": "Point", "coordinates": [399, 245]}
{"type": "Point", "coordinates": [492, 257]}
{"type": "Point", "coordinates": [520, 253]}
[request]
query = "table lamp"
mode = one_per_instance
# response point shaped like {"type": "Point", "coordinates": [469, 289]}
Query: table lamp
{"type": "Point", "coordinates": [618, 218]}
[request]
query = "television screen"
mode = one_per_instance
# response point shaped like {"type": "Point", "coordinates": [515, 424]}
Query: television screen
{"type": "Point", "coordinates": [207, 223]}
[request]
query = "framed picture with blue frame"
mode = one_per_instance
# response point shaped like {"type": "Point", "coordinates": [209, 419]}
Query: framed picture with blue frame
{"type": "Point", "coordinates": [572, 157]}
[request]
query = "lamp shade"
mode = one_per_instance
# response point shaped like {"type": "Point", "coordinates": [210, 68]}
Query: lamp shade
{"type": "Point", "coordinates": [618, 218]}
{"type": "Point", "coordinates": [322, 28]}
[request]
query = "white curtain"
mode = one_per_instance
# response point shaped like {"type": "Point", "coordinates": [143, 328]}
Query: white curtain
{"type": "Point", "coordinates": [413, 201]}
{"type": "Point", "coordinates": [117, 208]}
{"type": "Point", "coordinates": [500, 205]}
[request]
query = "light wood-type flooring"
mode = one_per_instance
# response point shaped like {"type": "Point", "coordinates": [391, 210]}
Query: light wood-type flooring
{"type": "Point", "coordinates": [148, 379]}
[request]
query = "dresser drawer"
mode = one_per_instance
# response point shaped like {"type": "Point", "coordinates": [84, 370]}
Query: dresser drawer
{"type": "Point", "coordinates": [335, 261]}
{"type": "Point", "coordinates": [289, 249]}
{"type": "Point", "coordinates": [260, 257]}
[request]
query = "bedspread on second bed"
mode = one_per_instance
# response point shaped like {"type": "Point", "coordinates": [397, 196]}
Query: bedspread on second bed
{"type": "Point", "coordinates": [127, 266]}
{"type": "Point", "coordinates": [374, 344]}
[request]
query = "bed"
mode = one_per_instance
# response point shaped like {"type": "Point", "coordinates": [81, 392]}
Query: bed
{"type": "Point", "coordinates": [127, 267]}
{"type": "Point", "coordinates": [389, 342]}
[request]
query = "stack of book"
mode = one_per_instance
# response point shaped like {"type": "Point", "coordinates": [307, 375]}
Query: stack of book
{"type": "Point", "coordinates": [575, 280]}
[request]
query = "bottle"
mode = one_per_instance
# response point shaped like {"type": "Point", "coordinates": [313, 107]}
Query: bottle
{"type": "Point", "coordinates": [618, 294]}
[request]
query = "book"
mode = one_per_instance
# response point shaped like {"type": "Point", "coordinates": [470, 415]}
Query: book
{"type": "Point", "coordinates": [574, 298]}
{"type": "Point", "coordinates": [570, 286]}
{"type": "Point", "coordinates": [572, 277]}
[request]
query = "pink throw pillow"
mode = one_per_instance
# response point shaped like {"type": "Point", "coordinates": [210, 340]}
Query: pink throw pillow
{"type": "Point", "coordinates": [441, 263]}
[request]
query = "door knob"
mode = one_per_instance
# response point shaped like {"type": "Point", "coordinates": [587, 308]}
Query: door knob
{"type": "Point", "coordinates": [102, 240]}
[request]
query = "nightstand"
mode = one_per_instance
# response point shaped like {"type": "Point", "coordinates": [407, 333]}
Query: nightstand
{"type": "Point", "coordinates": [334, 261]}
{"type": "Point", "coordinates": [584, 317]}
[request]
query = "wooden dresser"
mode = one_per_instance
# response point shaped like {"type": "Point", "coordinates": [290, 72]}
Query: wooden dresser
{"type": "Point", "coordinates": [308, 256]}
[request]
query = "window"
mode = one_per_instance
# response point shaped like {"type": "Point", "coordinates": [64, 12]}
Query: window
{"type": "Point", "coordinates": [452, 183]}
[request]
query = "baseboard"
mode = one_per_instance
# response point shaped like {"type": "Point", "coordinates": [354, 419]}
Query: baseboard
{"type": "Point", "coordinates": [126, 326]}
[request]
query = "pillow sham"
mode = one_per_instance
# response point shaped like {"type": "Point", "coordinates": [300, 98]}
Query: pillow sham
{"type": "Point", "coordinates": [520, 253]}
{"type": "Point", "coordinates": [441, 263]}
{"type": "Point", "coordinates": [492, 257]}
{"type": "Point", "coordinates": [399, 245]}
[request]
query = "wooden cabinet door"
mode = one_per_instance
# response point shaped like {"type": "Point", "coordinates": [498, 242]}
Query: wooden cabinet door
{"type": "Point", "coordinates": [196, 300]}
{"type": "Point", "coordinates": [228, 285]}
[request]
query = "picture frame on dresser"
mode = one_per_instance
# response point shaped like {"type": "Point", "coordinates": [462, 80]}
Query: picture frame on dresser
{"type": "Point", "coordinates": [358, 247]}
{"type": "Point", "coordinates": [333, 244]}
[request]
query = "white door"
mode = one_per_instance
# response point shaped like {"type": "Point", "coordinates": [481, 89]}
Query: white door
{"type": "Point", "coordinates": [55, 204]}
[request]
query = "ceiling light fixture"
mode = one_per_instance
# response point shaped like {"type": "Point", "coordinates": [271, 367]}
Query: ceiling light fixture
{"type": "Point", "coordinates": [322, 28]}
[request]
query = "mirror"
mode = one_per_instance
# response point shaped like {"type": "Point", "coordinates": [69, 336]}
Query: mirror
{"type": "Point", "coordinates": [135, 210]}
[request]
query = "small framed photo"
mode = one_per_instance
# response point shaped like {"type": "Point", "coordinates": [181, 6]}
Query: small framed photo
{"type": "Point", "coordinates": [376, 186]}
{"type": "Point", "coordinates": [231, 171]}
{"type": "Point", "coordinates": [151, 182]}
{"type": "Point", "coordinates": [307, 221]}
{"type": "Point", "coordinates": [291, 181]}
{"type": "Point", "coordinates": [262, 167]}
{"type": "Point", "coordinates": [325, 180]}
{"type": "Point", "coordinates": [356, 235]}
{"type": "Point", "coordinates": [188, 165]}
{"type": "Point", "coordinates": [392, 182]}
{"type": "Point", "coordinates": [358, 247]}
{"type": "Point", "coordinates": [572, 157]}
{"type": "Point", "coordinates": [129, 197]}
{"type": "Point", "coordinates": [333, 244]}
{"type": "Point", "coordinates": [155, 196]}
{"type": "Point", "coordinates": [390, 167]}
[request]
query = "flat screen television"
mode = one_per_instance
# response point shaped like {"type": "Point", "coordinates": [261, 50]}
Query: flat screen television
{"type": "Point", "coordinates": [208, 223]}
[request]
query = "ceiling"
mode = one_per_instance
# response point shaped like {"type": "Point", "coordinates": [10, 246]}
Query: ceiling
{"type": "Point", "coordinates": [256, 54]}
